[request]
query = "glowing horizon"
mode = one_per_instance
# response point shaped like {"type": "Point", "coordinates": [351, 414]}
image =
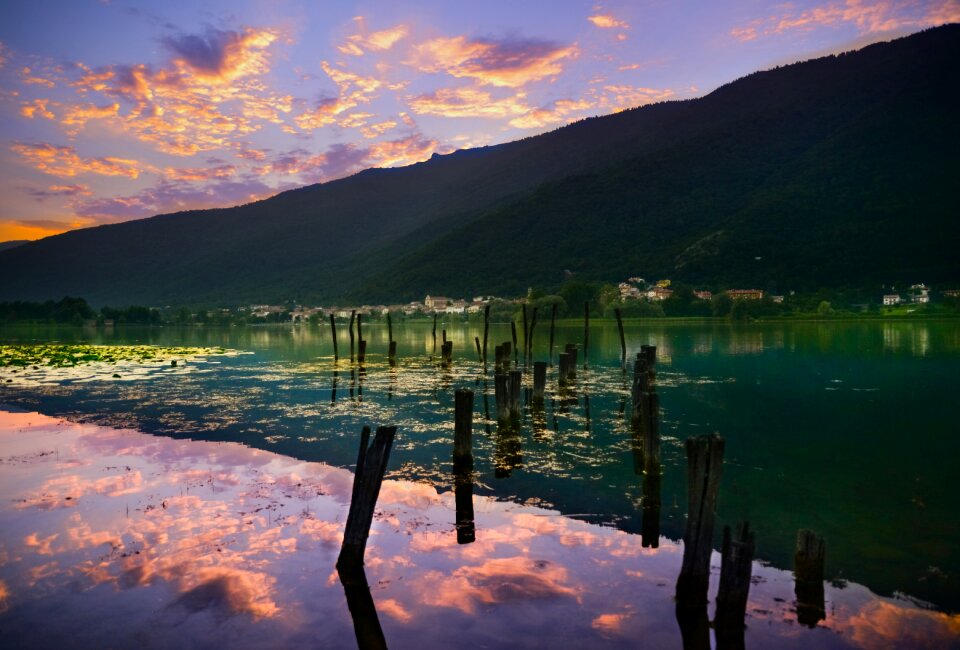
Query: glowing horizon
{"type": "Point", "coordinates": [114, 112]}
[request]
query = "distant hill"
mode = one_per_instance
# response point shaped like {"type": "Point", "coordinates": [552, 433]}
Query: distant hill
{"type": "Point", "coordinates": [13, 243]}
{"type": "Point", "coordinates": [839, 171]}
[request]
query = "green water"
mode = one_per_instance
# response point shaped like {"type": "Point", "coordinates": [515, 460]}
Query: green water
{"type": "Point", "coordinates": [845, 428]}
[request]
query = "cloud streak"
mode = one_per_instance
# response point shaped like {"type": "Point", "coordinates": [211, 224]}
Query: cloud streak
{"type": "Point", "coordinates": [509, 62]}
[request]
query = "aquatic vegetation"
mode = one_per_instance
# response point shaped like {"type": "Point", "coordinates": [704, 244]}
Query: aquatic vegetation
{"type": "Point", "coordinates": [55, 362]}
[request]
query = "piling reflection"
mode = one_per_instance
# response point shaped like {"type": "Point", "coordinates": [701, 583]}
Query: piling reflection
{"type": "Point", "coordinates": [366, 623]}
{"type": "Point", "coordinates": [200, 543]}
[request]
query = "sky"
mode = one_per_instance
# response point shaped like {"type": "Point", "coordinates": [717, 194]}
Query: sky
{"type": "Point", "coordinates": [113, 110]}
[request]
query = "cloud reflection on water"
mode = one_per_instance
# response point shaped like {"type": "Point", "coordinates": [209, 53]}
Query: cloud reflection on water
{"type": "Point", "coordinates": [199, 543]}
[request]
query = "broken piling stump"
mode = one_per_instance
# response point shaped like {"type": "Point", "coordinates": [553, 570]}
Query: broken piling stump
{"type": "Point", "coordinates": [361, 349]}
{"type": "Point", "coordinates": [736, 562]}
{"type": "Point", "coordinates": [476, 340]}
{"type": "Point", "coordinates": [704, 468]}
{"type": "Point", "coordinates": [623, 341]}
{"type": "Point", "coordinates": [371, 466]}
{"type": "Point", "coordinates": [463, 431]}
{"type": "Point", "coordinates": [539, 380]}
{"type": "Point", "coordinates": [808, 572]}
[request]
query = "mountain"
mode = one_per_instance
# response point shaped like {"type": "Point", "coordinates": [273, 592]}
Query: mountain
{"type": "Point", "coordinates": [840, 171]}
{"type": "Point", "coordinates": [13, 243]}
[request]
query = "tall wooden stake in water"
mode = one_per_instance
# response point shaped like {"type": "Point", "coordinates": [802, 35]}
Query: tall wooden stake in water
{"type": "Point", "coordinates": [333, 332]}
{"type": "Point", "coordinates": [434, 332]}
{"type": "Point", "coordinates": [704, 468]}
{"type": "Point", "coordinates": [533, 324]}
{"type": "Point", "coordinates": [623, 341]}
{"type": "Point", "coordinates": [586, 332]}
{"type": "Point", "coordinates": [516, 350]}
{"type": "Point", "coordinates": [371, 466]}
{"type": "Point", "coordinates": [392, 345]}
{"type": "Point", "coordinates": [553, 320]}
{"type": "Point", "coordinates": [353, 316]}
{"type": "Point", "coordinates": [526, 333]}
{"type": "Point", "coordinates": [486, 327]}
{"type": "Point", "coordinates": [463, 430]}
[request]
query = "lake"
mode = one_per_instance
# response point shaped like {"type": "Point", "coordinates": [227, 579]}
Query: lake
{"type": "Point", "coordinates": [845, 428]}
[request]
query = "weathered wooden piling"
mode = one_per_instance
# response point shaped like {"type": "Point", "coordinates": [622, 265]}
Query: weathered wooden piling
{"type": "Point", "coordinates": [571, 351]}
{"type": "Point", "coordinates": [704, 468]}
{"type": "Point", "coordinates": [553, 320]}
{"type": "Point", "coordinates": [463, 499]}
{"type": "Point", "coordinates": [486, 327]}
{"type": "Point", "coordinates": [586, 332]}
{"type": "Point", "coordinates": [639, 387]}
{"type": "Point", "coordinates": [371, 466]}
{"type": "Point", "coordinates": [446, 353]}
{"type": "Point", "coordinates": [516, 349]}
{"type": "Point", "coordinates": [434, 332]}
{"type": "Point", "coordinates": [359, 329]}
{"type": "Point", "coordinates": [391, 345]}
{"type": "Point", "coordinates": [444, 332]}
{"type": "Point", "coordinates": [516, 385]}
{"type": "Point", "coordinates": [526, 334]}
{"type": "Point", "coordinates": [500, 388]}
{"type": "Point", "coordinates": [333, 333]}
{"type": "Point", "coordinates": [539, 379]}
{"type": "Point", "coordinates": [735, 565]}
{"type": "Point", "coordinates": [476, 339]}
{"type": "Point", "coordinates": [505, 362]}
{"type": "Point", "coordinates": [353, 316]}
{"type": "Point", "coordinates": [361, 349]}
{"type": "Point", "coordinates": [533, 324]}
{"type": "Point", "coordinates": [623, 340]}
{"type": "Point", "coordinates": [563, 361]}
{"type": "Point", "coordinates": [650, 417]}
{"type": "Point", "coordinates": [808, 572]}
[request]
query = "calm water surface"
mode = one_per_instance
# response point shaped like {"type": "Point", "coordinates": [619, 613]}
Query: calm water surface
{"type": "Point", "coordinates": [844, 428]}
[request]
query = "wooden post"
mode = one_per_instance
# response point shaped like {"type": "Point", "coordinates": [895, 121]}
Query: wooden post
{"type": "Point", "coordinates": [586, 332]}
{"type": "Point", "coordinates": [444, 332]}
{"type": "Point", "coordinates": [501, 383]}
{"type": "Point", "coordinates": [533, 324]}
{"type": "Point", "coordinates": [553, 319]}
{"type": "Point", "coordinates": [389, 328]}
{"type": "Point", "coordinates": [371, 466]}
{"type": "Point", "coordinates": [476, 340]}
{"type": "Point", "coordinates": [571, 361]}
{"type": "Point", "coordinates": [463, 498]}
{"type": "Point", "coordinates": [539, 379]}
{"type": "Point", "coordinates": [808, 578]}
{"type": "Point", "coordinates": [463, 431]}
{"type": "Point", "coordinates": [333, 333]}
{"type": "Point", "coordinates": [516, 350]}
{"type": "Point", "coordinates": [704, 468]}
{"type": "Point", "coordinates": [650, 416]}
{"type": "Point", "coordinates": [486, 327]}
{"type": "Point", "coordinates": [506, 354]}
{"type": "Point", "coordinates": [359, 330]}
{"type": "Point", "coordinates": [516, 383]}
{"type": "Point", "coordinates": [361, 349]}
{"type": "Point", "coordinates": [639, 388]}
{"type": "Point", "coordinates": [526, 333]}
{"type": "Point", "coordinates": [562, 363]}
{"type": "Point", "coordinates": [498, 359]}
{"type": "Point", "coordinates": [353, 316]}
{"type": "Point", "coordinates": [391, 345]}
{"type": "Point", "coordinates": [434, 332]}
{"type": "Point", "coordinates": [737, 559]}
{"type": "Point", "coordinates": [623, 341]}
{"type": "Point", "coordinates": [446, 353]}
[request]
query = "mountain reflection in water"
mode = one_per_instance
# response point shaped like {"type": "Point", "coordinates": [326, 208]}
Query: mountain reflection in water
{"type": "Point", "coordinates": [118, 538]}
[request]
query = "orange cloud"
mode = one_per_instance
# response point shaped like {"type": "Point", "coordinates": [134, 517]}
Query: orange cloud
{"type": "Point", "coordinates": [63, 161]}
{"type": "Point", "coordinates": [868, 16]}
{"type": "Point", "coordinates": [200, 174]}
{"type": "Point", "coordinates": [404, 151]}
{"type": "Point", "coordinates": [467, 102]}
{"type": "Point", "coordinates": [36, 108]}
{"type": "Point", "coordinates": [378, 129]}
{"type": "Point", "coordinates": [13, 229]}
{"type": "Point", "coordinates": [210, 93]}
{"type": "Point", "coordinates": [561, 111]}
{"type": "Point", "coordinates": [509, 62]}
{"type": "Point", "coordinates": [607, 22]}
{"type": "Point", "coordinates": [618, 97]}
{"type": "Point", "coordinates": [76, 116]}
{"type": "Point", "coordinates": [376, 41]}
{"type": "Point", "coordinates": [61, 190]}
{"type": "Point", "coordinates": [30, 79]}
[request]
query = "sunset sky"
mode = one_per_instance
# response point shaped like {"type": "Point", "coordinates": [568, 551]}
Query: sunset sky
{"type": "Point", "coordinates": [115, 110]}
